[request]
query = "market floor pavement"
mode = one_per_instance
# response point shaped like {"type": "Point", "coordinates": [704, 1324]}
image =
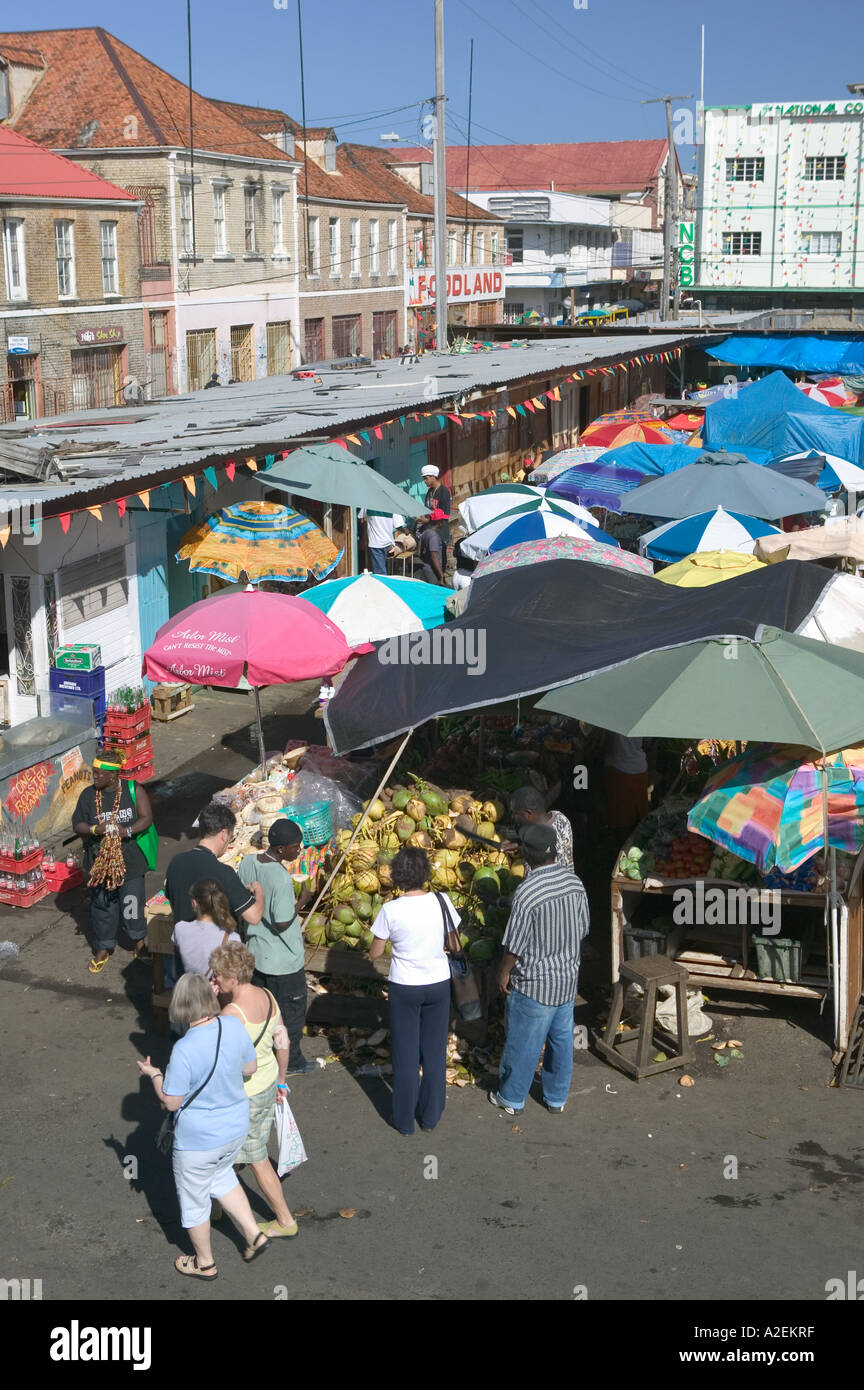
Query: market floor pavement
{"type": "Point", "coordinates": [631, 1193]}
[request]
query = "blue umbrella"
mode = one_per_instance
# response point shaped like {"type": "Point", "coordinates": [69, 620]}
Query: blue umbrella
{"type": "Point", "coordinates": [717, 530]}
{"type": "Point", "coordinates": [595, 485]}
{"type": "Point", "coordinates": [379, 605]}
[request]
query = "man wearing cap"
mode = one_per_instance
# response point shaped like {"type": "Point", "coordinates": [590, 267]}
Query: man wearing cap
{"type": "Point", "coordinates": [539, 974]}
{"type": "Point", "coordinates": [431, 549]}
{"type": "Point", "coordinates": [276, 941]}
{"type": "Point", "coordinates": [113, 806]}
{"type": "Point", "coordinates": [438, 499]}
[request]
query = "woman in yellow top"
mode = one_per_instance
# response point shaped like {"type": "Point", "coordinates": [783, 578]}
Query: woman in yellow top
{"type": "Point", "coordinates": [232, 966]}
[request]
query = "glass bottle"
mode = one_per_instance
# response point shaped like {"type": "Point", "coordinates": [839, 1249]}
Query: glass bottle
{"type": "Point", "coordinates": [18, 851]}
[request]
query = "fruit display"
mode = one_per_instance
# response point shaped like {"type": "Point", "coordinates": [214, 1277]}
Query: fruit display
{"type": "Point", "coordinates": [664, 847]}
{"type": "Point", "coordinates": [544, 747]}
{"type": "Point", "coordinates": [422, 816]}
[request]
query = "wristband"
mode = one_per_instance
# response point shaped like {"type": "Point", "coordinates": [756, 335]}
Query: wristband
{"type": "Point", "coordinates": [280, 1086]}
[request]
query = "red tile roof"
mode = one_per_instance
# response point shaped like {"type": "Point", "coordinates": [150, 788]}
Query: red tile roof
{"type": "Point", "coordinates": [602, 167]}
{"type": "Point", "coordinates": [22, 57]}
{"type": "Point", "coordinates": [98, 93]}
{"type": "Point", "coordinates": [376, 161]}
{"type": "Point", "coordinates": [28, 171]}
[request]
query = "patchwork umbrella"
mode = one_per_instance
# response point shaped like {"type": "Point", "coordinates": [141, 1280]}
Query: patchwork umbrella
{"type": "Point", "coordinates": [373, 607]}
{"type": "Point", "coordinates": [270, 639]}
{"type": "Point", "coordinates": [728, 480]}
{"type": "Point", "coordinates": [594, 485]}
{"type": "Point", "coordinates": [562, 548]}
{"type": "Point", "coordinates": [829, 391]}
{"type": "Point", "coordinates": [639, 432]}
{"type": "Point", "coordinates": [559, 463]}
{"type": "Point", "coordinates": [533, 522]}
{"type": "Point", "coordinates": [262, 540]}
{"type": "Point", "coordinates": [494, 501]}
{"type": "Point", "coordinates": [709, 567]}
{"type": "Point", "coordinates": [768, 808]}
{"type": "Point", "coordinates": [717, 530]}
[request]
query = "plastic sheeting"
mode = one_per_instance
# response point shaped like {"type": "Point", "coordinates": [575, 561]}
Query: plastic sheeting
{"type": "Point", "coordinates": [801, 354]}
{"type": "Point", "coordinates": [773, 414]}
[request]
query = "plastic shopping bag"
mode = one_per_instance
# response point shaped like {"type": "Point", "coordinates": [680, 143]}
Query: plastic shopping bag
{"type": "Point", "coordinates": [291, 1150]}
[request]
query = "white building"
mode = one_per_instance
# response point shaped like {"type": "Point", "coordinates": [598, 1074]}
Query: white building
{"type": "Point", "coordinates": [778, 203]}
{"type": "Point", "coordinates": [557, 243]}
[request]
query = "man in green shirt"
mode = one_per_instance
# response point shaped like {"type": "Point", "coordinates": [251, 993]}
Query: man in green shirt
{"type": "Point", "coordinates": [276, 941]}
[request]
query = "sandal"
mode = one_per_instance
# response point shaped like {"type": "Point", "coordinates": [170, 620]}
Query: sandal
{"type": "Point", "coordinates": [97, 966]}
{"type": "Point", "coordinates": [272, 1230]}
{"type": "Point", "coordinates": [188, 1265]}
{"type": "Point", "coordinates": [255, 1249]}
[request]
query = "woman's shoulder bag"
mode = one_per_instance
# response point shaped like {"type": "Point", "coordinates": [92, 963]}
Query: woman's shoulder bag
{"type": "Point", "coordinates": [463, 981]}
{"type": "Point", "coordinates": [165, 1137]}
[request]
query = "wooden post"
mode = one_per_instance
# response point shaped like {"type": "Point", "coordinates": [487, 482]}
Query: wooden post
{"type": "Point", "coordinates": [572, 307]}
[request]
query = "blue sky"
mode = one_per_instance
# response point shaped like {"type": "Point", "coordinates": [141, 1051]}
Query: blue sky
{"type": "Point", "coordinates": [543, 69]}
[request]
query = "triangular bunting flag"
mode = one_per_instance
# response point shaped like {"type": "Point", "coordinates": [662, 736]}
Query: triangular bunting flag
{"type": "Point", "coordinates": [539, 404]}
{"type": "Point", "coordinates": [441, 421]}
{"type": "Point", "coordinates": [529, 405]}
{"type": "Point", "coordinates": [96, 511]}
{"type": "Point", "coordinates": [520, 410]}
{"type": "Point", "coordinates": [253, 464]}
{"type": "Point", "coordinates": [210, 475]}
{"type": "Point", "coordinates": [402, 421]}
{"type": "Point", "coordinates": [189, 483]}
{"type": "Point", "coordinates": [457, 418]}
{"type": "Point", "coordinates": [379, 433]}
{"type": "Point", "coordinates": [269, 460]}
{"type": "Point", "coordinates": [511, 410]}
{"type": "Point", "coordinates": [64, 518]}
{"type": "Point", "coordinates": [364, 434]}
{"type": "Point", "coordinates": [121, 506]}
{"type": "Point", "coordinates": [230, 469]}
{"type": "Point", "coordinates": [353, 437]}
{"type": "Point", "coordinates": [5, 533]}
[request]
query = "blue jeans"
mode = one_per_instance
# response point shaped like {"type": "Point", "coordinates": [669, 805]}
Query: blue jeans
{"type": "Point", "coordinates": [378, 559]}
{"type": "Point", "coordinates": [533, 1028]}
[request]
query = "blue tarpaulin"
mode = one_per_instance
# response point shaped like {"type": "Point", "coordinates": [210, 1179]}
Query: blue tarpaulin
{"type": "Point", "coordinates": [773, 414]}
{"type": "Point", "coordinates": [804, 354]}
{"type": "Point", "coordinates": [657, 459]}
{"type": "Point", "coordinates": [602, 482]}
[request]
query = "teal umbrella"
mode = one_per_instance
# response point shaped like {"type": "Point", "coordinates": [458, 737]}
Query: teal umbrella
{"type": "Point", "coordinates": [776, 688]}
{"type": "Point", "coordinates": [328, 473]}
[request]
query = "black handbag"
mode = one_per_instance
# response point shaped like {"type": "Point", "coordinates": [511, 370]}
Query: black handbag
{"type": "Point", "coordinates": [165, 1137]}
{"type": "Point", "coordinates": [463, 981]}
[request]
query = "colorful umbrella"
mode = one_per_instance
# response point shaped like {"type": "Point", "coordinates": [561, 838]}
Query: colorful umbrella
{"type": "Point", "coordinates": [768, 808]}
{"type": "Point", "coordinates": [494, 501]}
{"type": "Point", "coordinates": [594, 484]}
{"type": "Point", "coordinates": [271, 639]}
{"type": "Point", "coordinates": [262, 540]}
{"type": "Point", "coordinates": [829, 391]}
{"type": "Point", "coordinates": [836, 472]}
{"type": "Point", "coordinates": [614, 435]}
{"type": "Point", "coordinates": [532, 523]}
{"type": "Point", "coordinates": [559, 463]}
{"type": "Point", "coordinates": [617, 417]}
{"type": "Point", "coordinates": [691, 420]}
{"type": "Point", "coordinates": [717, 530]}
{"type": "Point", "coordinates": [562, 548]}
{"type": "Point", "coordinates": [372, 607]}
{"type": "Point", "coordinates": [709, 567]}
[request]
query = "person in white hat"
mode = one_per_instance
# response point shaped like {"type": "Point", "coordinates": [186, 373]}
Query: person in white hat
{"type": "Point", "coordinates": [438, 499]}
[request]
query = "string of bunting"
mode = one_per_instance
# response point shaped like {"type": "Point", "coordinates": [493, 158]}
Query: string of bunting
{"type": "Point", "coordinates": [459, 417]}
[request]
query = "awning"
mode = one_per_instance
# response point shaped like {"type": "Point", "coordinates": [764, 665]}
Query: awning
{"type": "Point", "coordinates": [804, 354]}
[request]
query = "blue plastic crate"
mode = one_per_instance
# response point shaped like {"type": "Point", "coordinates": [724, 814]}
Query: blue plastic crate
{"type": "Point", "coordinates": [91, 683]}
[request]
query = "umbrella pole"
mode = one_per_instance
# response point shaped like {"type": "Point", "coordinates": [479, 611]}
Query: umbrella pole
{"type": "Point", "coordinates": [259, 726]}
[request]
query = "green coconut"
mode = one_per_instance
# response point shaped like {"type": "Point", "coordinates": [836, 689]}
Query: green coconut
{"type": "Point", "coordinates": [315, 929]}
{"type": "Point", "coordinates": [486, 882]}
{"type": "Point", "coordinates": [400, 799]}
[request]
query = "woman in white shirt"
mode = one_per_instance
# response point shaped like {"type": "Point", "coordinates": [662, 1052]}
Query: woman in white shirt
{"type": "Point", "coordinates": [212, 926]}
{"type": "Point", "coordinates": [419, 991]}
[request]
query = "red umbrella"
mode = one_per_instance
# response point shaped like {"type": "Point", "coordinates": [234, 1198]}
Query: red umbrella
{"type": "Point", "coordinates": [689, 420]}
{"type": "Point", "coordinates": [271, 639]}
{"type": "Point", "coordinates": [639, 432]}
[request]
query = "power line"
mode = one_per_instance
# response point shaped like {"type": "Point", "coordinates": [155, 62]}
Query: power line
{"type": "Point", "coordinates": [611, 76]}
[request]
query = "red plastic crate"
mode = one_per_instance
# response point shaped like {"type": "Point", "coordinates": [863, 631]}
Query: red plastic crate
{"type": "Point", "coordinates": [10, 865]}
{"type": "Point", "coordinates": [60, 878]}
{"type": "Point", "coordinates": [136, 751]}
{"type": "Point", "coordinates": [126, 726]}
{"type": "Point", "coordinates": [139, 774]}
{"type": "Point", "coordinates": [13, 899]}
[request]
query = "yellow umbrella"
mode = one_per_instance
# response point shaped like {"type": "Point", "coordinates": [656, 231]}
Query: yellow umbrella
{"type": "Point", "coordinates": [708, 567]}
{"type": "Point", "coordinates": [262, 540]}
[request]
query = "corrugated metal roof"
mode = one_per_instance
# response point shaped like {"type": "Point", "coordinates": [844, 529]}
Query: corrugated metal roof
{"type": "Point", "coordinates": [184, 433]}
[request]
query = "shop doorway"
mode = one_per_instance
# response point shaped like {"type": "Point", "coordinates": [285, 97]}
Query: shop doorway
{"type": "Point", "coordinates": [242, 361]}
{"type": "Point", "coordinates": [158, 353]}
{"type": "Point", "coordinates": [384, 333]}
{"type": "Point", "coordinates": [200, 358]}
{"type": "Point", "coordinates": [23, 373]}
{"type": "Point", "coordinates": [96, 378]}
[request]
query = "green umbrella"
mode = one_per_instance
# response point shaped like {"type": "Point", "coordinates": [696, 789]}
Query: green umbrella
{"type": "Point", "coordinates": [777, 688]}
{"type": "Point", "coordinates": [328, 473]}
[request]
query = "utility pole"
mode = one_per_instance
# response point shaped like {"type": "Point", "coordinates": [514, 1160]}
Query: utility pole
{"type": "Point", "coordinates": [439, 155]}
{"type": "Point", "coordinates": [670, 214]}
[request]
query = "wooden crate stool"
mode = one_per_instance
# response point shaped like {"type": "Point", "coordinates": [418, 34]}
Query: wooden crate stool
{"type": "Point", "coordinates": [160, 925]}
{"type": "Point", "coordinates": [649, 972]}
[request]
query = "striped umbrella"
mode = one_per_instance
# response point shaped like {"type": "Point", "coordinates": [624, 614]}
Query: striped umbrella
{"type": "Point", "coordinates": [562, 548]}
{"type": "Point", "coordinates": [372, 607]}
{"type": "Point", "coordinates": [717, 530]}
{"type": "Point", "coordinates": [262, 540]}
{"type": "Point", "coordinates": [640, 432]}
{"type": "Point", "coordinates": [768, 809]}
{"type": "Point", "coordinates": [485, 506]}
{"type": "Point", "coordinates": [829, 391]}
{"type": "Point", "coordinates": [532, 523]}
{"type": "Point", "coordinates": [837, 473]}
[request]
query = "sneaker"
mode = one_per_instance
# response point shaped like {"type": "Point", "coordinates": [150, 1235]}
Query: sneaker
{"type": "Point", "coordinates": [554, 1109]}
{"type": "Point", "coordinates": [301, 1067]}
{"type": "Point", "coordinates": [495, 1099]}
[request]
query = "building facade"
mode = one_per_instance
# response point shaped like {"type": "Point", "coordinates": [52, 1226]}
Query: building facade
{"type": "Point", "coordinates": [778, 205]}
{"type": "Point", "coordinates": [69, 299]}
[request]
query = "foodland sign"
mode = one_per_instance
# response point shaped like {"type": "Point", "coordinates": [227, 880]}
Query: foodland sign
{"type": "Point", "coordinates": [686, 252]}
{"type": "Point", "coordinates": [465, 284]}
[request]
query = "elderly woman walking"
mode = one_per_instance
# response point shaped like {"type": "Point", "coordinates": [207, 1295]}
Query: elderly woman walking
{"type": "Point", "coordinates": [204, 1086]}
{"type": "Point", "coordinates": [257, 1011]}
{"type": "Point", "coordinates": [419, 991]}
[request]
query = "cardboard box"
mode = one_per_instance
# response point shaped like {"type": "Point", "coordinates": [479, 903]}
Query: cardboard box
{"type": "Point", "coordinates": [78, 656]}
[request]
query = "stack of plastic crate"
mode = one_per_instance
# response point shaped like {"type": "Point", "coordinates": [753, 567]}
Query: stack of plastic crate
{"type": "Point", "coordinates": [128, 731]}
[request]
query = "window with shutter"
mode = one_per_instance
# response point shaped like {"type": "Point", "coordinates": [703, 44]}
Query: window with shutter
{"type": "Point", "coordinates": [92, 587]}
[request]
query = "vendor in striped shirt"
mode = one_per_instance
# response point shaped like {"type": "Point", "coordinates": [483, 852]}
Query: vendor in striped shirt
{"type": "Point", "coordinates": [528, 808]}
{"type": "Point", "coordinates": [539, 974]}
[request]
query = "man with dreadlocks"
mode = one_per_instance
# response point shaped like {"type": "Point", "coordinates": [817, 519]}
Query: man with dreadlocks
{"type": "Point", "coordinates": [111, 815]}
